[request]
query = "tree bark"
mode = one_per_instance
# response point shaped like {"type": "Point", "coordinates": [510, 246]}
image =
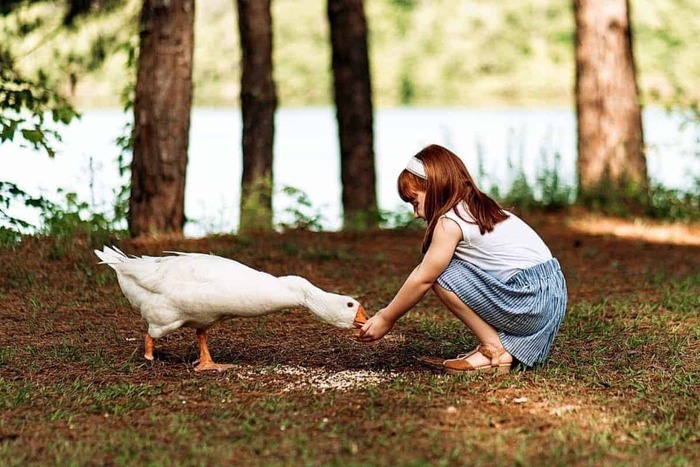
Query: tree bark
{"type": "Point", "coordinates": [258, 104]}
{"type": "Point", "coordinates": [612, 170]}
{"type": "Point", "coordinates": [353, 100]}
{"type": "Point", "coordinates": [162, 117]}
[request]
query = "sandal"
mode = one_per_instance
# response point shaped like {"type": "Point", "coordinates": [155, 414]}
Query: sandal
{"type": "Point", "coordinates": [460, 365]}
{"type": "Point", "coordinates": [439, 363]}
{"type": "Point", "coordinates": [432, 362]}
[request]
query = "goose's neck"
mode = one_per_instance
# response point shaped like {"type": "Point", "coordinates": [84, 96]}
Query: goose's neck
{"type": "Point", "coordinates": [308, 295]}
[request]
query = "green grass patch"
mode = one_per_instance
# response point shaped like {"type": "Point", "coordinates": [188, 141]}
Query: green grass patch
{"type": "Point", "coordinates": [620, 387]}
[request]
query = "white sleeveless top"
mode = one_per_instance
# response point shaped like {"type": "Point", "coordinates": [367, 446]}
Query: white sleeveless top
{"type": "Point", "coordinates": [510, 247]}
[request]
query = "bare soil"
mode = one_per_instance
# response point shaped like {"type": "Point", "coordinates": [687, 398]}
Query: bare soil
{"type": "Point", "coordinates": [63, 320]}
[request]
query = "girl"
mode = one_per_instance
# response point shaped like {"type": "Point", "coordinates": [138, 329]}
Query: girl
{"type": "Point", "coordinates": [488, 267]}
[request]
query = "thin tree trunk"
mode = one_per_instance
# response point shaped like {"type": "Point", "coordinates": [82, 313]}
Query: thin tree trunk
{"type": "Point", "coordinates": [258, 104]}
{"type": "Point", "coordinates": [611, 162]}
{"type": "Point", "coordinates": [353, 99]}
{"type": "Point", "coordinates": [162, 117]}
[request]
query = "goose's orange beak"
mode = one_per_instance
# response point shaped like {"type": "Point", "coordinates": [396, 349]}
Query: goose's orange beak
{"type": "Point", "coordinates": [360, 317]}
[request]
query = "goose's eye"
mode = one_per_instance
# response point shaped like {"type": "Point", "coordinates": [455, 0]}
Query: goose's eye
{"type": "Point", "coordinates": [349, 304]}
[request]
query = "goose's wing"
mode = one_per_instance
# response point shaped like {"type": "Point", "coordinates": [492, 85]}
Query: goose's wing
{"type": "Point", "coordinates": [159, 274]}
{"type": "Point", "coordinates": [203, 283]}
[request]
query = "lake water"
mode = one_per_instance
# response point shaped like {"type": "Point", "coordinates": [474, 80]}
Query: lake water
{"type": "Point", "coordinates": [307, 156]}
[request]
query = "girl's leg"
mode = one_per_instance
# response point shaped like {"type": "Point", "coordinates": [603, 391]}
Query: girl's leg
{"type": "Point", "coordinates": [483, 331]}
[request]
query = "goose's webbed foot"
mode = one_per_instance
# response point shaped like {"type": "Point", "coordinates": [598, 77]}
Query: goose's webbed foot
{"type": "Point", "coordinates": [205, 362]}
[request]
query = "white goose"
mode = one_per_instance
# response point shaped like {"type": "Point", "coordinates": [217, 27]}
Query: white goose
{"type": "Point", "coordinates": [198, 290]}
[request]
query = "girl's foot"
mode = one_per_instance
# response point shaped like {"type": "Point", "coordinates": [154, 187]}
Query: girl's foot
{"type": "Point", "coordinates": [485, 358]}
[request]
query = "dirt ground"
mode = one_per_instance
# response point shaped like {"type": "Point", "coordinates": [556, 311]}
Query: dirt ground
{"type": "Point", "coordinates": [63, 321]}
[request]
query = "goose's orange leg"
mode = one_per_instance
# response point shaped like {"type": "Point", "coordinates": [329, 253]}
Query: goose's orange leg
{"type": "Point", "coordinates": [205, 361]}
{"type": "Point", "coordinates": [150, 345]}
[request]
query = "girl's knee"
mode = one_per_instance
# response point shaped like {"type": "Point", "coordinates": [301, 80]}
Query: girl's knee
{"type": "Point", "coordinates": [446, 296]}
{"type": "Point", "coordinates": [440, 292]}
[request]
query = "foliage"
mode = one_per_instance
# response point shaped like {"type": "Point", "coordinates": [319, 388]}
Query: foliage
{"type": "Point", "coordinates": [546, 192]}
{"type": "Point", "coordinates": [690, 113]}
{"type": "Point", "coordinates": [125, 141]}
{"type": "Point", "coordinates": [75, 218]}
{"type": "Point", "coordinates": [305, 216]}
{"type": "Point", "coordinates": [426, 53]}
{"type": "Point", "coordinates": [25, 105]}
{"type": "Point", "coordinates": [11, 228]}
{"type": "Point", "coordinates": [554, 194]}
{"type": "Point", "coordinates": [256, 210]}
{"type": "Point", "coordinates": [73, 9]}
{"type": "Point", "coordinates": [413, 44]}
{"type": "Point", "coordinates": [66, 220]}
{"type": "Point", "coordinates": [361, 219]}
{"type": "Point", "coordinates": [302, 212]}
{"type": "Point", "coordinates": [401, 218]}
{"type": "Point", "coordinates": [25, 108]}
{"type": "Point", "coordinates": [674, 204]}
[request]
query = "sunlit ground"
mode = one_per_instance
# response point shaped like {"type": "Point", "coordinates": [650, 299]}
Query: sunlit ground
{"type": "Point", "coordinates": [620, 387]}
{"type": "Point", "coordinates": [641, 229]}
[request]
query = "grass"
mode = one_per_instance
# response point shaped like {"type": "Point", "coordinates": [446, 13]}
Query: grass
{"type": "Point", "coordinates": [620, 387]}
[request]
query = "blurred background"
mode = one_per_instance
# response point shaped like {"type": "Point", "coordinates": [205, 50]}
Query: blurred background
{"type": "Point", "coordinates": [496, 82]}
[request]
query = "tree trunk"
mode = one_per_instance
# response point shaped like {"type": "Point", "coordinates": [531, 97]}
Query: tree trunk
{"type": "Point", "coordinates": [162, 117]}
{"type": "Point", "coordinates": [258, 103]}
{"type": "Point", "coordinates": [611, 162]}
{"type": "Point", "coordinates": [353, 100]}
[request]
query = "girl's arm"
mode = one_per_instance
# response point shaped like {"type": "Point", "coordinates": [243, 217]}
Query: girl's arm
{"type": "Point", "coordinates": [445, 238]}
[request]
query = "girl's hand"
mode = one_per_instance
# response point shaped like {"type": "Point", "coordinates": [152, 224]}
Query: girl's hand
{"type": "Point", "coordinates": [375, 328]}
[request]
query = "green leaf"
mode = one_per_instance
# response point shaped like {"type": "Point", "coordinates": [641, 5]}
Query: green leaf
{"type": "Point", "coordinates": [33, 136]}
{"type": "Point", "coordinates": [8, 131]}
{"type": "Point", "coordinates": [64, 115]}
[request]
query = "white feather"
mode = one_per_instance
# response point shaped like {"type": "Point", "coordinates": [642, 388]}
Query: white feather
{"type": "Point", "coordinates": [198, 290]}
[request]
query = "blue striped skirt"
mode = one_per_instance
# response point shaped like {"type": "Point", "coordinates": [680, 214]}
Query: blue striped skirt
{"type": "Point", "coordinates": [527, 310]}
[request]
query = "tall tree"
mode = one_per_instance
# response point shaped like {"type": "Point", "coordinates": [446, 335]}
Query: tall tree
{"type": "Point", "coordinates": [353, 100]}
{"type": "Point", "coordinates": [258, 104]}
{"type": "Point", "coordinates": [162, 108]}
{"type": "Point", "coordinates": [611, 161]}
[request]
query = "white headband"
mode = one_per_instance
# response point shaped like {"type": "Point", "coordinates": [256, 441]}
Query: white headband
{"type": "Point", "coordinates": [416, 167]}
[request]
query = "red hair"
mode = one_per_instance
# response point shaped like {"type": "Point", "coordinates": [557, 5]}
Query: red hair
{"type": "Point", "coordinates": [448, 183]}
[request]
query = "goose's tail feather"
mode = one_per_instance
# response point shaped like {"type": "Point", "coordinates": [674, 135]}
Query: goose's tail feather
{"type": "Point", "coordinates": [111, 255]}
